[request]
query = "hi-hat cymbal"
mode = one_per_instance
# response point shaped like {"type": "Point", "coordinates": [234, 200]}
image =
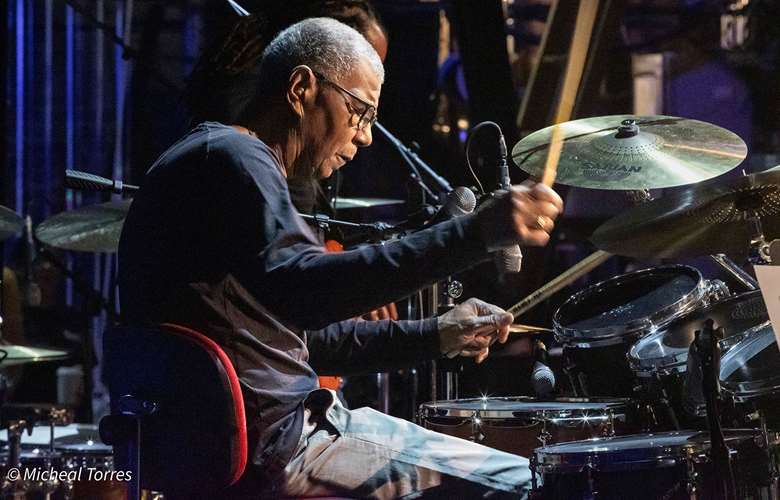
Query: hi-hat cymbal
{"type": "Point", "coordinates": [608, 153]}
{"type": "Point", "coordinates": [347, 203]}
{"type": "Point", "coordinates": [10, 223]}
{"type": "Point", "coordinates": [95, 228]}
{"type": "Point", "coordinates": [700, 220]}
{"type": "Point", "coordinates": [13, 355]}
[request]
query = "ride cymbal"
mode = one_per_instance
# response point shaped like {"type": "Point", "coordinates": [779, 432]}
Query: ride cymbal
{"type": "Point", "coordinates": [701, 220]}
{"type": "Point", "coordinates": [13, 355]}
{"type": "Point", "coordinates": [94, 228]}
{"type": "Point", "coordinates": [10, 223]}
{"type": "Point", "coordinates": [610, 152]}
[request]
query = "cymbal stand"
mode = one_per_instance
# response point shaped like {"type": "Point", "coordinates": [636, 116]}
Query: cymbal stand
{"type": "Point", "coordinates": [759, 246]}
{"type": "Point", "coordinates": [735, 271]}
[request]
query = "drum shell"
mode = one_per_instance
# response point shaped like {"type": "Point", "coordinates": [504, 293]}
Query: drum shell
{"type": "Point", "coordinates": [667, 473]}
{"type": "Point", "coordinates": [659, 360]}
{"type": "Point", "coordinates": [598, 325]}
{"type": "Point", "coordinates": [526, 429]}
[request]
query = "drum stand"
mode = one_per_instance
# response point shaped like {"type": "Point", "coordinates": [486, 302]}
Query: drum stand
{"type": "Point", "coordinates": [705, 348]}
{"type": "Point", "coordinates": [444, 373]}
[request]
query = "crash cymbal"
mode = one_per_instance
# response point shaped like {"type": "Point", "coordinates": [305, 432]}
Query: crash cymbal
{"type": "Point", "coordinates": [346, 203]}
{"type": "Point", "coordinates": [10, 223]}
{"type": "Point", "coordinates": [698, 221]}
{"type": "Point", "coordinates": [13, 355]}
{"type": "Point", "coordinates": [94, 228]}
{"type": "Point", "coordinates": [608, 152]}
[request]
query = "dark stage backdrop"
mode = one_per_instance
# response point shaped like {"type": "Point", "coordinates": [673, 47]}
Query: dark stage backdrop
{"type": "Point", "coordinates": [71, 104]}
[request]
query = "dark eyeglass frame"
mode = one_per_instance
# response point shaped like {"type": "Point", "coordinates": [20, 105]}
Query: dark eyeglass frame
{"type": "Point", "coordinates": [367, 117]}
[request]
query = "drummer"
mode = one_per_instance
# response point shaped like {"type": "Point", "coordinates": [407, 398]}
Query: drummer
{"type": "Point", "coordinates": [211, 241]}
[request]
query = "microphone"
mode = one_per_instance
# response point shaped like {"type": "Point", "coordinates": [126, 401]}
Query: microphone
{"type": "Point", "coordinates": [84, 181]}
{"type": "Point", "coordinates": [460, 201]}
{"type": "Point", "coordinates": [509, 259]}
{"type": "Point", "coordinates": [542, 377]}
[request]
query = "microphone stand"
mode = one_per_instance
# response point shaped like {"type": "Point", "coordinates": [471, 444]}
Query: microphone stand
{"type": "Point", "coordinates": [377, 230]}
{"type": "Point", "coordinates": [706, 343]}
{"type": "Point", "coordinates": [416, 164]}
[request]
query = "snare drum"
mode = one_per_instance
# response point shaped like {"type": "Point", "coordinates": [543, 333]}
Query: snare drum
{"type": "Point", "coordinates": [659, 360]}
{"type": "Point", "coordinates": [598, 325]}
{"type": "Point", "coordinates": [670, 465]}
{"type": "Point", "coordinates": [520, 424]}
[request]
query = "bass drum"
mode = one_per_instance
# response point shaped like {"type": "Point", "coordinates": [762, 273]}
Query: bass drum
{"type": "Point", "coordinates": [659, 360]}
{"type": "Point", "coordinates": [598, 325]}
{"type": "Point", "coordinates": [520, 424]}
{"type": "Point", "coordinates": [671, 465]}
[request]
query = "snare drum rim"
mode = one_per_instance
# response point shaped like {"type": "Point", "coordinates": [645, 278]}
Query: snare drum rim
{"type": "Point", "coordinates": [597, 337]}
{"type": "Point", "coordinates": [677, 359]}
{"type": "Point", "coordinates": [615, 460]}
{"type": "Point", "coordinates": [615, 408]}
{"type": "Point", "coordinates": [750, 390]}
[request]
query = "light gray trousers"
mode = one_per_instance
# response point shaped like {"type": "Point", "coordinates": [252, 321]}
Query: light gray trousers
{"type": "Point", "coordinates": [366, 454]}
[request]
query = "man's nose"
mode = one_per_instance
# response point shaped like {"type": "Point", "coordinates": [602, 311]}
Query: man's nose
{"type": "Point", "coordinates": [363, 137]}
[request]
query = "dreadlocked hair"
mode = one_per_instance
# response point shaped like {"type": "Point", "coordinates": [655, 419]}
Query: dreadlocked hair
{"type": "Point", "coordinates": [221, 84]}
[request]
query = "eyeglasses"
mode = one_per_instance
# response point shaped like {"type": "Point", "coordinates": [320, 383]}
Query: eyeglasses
{"type": "Point", "coordinates": [367, 117]}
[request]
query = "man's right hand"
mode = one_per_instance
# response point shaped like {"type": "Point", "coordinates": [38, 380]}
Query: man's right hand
{"type": "Point", "coordinates": [470, 328]}
{"type": "Point", "coordinates": [525, 215]}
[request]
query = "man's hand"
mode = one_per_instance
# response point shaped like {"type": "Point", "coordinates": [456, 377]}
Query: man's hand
{"type": "Point", "coordinates": [470, 328]}
{"type": "Point", "coordinates": [525, 215]}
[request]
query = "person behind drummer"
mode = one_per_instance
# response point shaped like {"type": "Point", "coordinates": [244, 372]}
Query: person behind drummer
{"type": "Point", "coordinates": [212, 241]}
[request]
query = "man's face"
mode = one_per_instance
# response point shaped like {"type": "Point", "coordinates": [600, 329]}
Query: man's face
{"type": "Point", "coordinates": [329, 128]}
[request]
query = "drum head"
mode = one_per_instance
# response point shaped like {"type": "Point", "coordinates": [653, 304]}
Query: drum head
{"type": "Point", "coordinates": [513, 407]}
{"type": "Point", "coordinates": [750, 368]}
{"type": "Point", "coordinates": [661, 449]}
{"type": "Point", "coordinates": [633, 303]}
{"type": "Point", "coordinates": [667, 350]}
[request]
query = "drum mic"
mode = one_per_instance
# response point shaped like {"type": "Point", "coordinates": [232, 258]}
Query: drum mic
{"type": "Point", "coordinates": [460, 201]}
{"type": "Point", "coordinates": [509, 259]}
{"type": "Point", "coordinates": [542, 377]}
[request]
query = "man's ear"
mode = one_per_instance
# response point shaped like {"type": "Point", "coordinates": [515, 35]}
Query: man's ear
{"type": "Point", "coordinates": [300, 88]}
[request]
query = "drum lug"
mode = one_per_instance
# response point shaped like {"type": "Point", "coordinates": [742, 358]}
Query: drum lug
{"type": "Point", "coordinates": [544, 434]}
{"type": "Point", "coordinates": [608, 429]}
{"type": "Point", "coordinates": [691, 478]}
{"type": "Point", "coordinates": [532, 463]}
{"type": "Point", "coordinates": [589, 468]}
{"type": "Point", "coordinates": [476, 428]}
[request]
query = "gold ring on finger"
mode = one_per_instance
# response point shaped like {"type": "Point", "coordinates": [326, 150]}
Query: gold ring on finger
{"type": "Point", "coordinates": [541, 222]}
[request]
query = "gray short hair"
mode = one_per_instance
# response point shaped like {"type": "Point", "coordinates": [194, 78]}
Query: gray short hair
{"type": "Point", "coordinates": [327, 46]}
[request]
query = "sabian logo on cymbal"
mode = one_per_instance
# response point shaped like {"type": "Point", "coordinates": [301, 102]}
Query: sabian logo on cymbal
{"type": "Point", "coordinates": [609, 172]}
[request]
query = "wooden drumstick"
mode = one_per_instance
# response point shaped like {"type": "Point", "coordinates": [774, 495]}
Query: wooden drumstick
{"type": "Point", "coordinates": [583, 28]}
